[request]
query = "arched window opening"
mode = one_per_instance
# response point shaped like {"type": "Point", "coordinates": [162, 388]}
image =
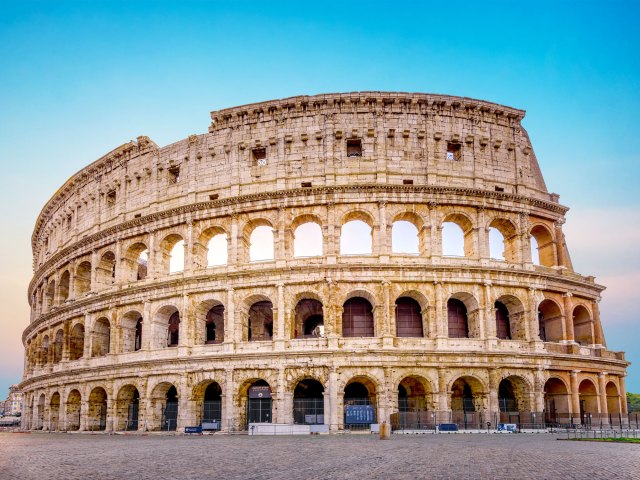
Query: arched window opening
{"type": "Point", "coordinates": [260, 324]}
{"type": "Point", "coordinates": [45, 350]}
{"type": "Point", "coordinates": [404, 238]}
{"type": "Point", "coordinates": [359, 404]}
{"type": "Point", "coordinates": [57, 346]}
{"type": "Point", "coordinates": [582, 326]}
{"type": "Point", "coordinates": [412, 397]}
{"type": "Point", "coordinates": [54, 412]}
{"type": "Point", "coordinates": [72, 411]}
{"type": "Point", "coordinates": [50, 293]}
{"type": "Point", "coordinates": [462, 397]}
{"type": "Point", "coordinates": [83, 279]}
{"type": "Point", "coordinates": [173, 335]}
{"type": "Point", "coordinates": [307, 240]}
{"type": "Point", "coordinates": [259, 402]}
{"type": "Point", "coordinates": [496, 244]}
{"type": "Point", "coordinates": [170, 412]}
{"type": "Point", "coordinates": [308, 403]}
{"type": "Point", "coordinates": [507, 397]}
{"type": "Point", "coordinates": [101, 338]}
{"type": "Point", "coordinates": [613, 399]}
{"type": "Point", "coordinates": [309, 319]}
{"type": "Point", "coordinates": [550, 321]}
{"type": "Point", "coordinates": [503, 325]}
{"type": "Point", "coordinates": [261, 245]}
{"type": "Point", "coordinates": [106, 271]}
{"type": "Point", "coordinates": [76, 345]}
{"type": "Point", "coordinates": [542, 242]}
{"type": "Point", "coordinates": [176, 260]}
{"type": "Point", "coordinates": [588, 401]}
{"type": "Point", "coordinates": [142, 265]}
{"type": "Point", "coordinates": [356, 238]}
{"type": "Point", "coordinates": [127, 409]}
{"type": "Point", "coordinates": [457, 319]}
{"type": "Point", "coordinates": [452, 240]}
{"type": "Point", "coordinates": [408, 318]}
{"type": "Point", "coordinates": [212, 407]}
{"type": "Point", "coordinates": [138, 336]}
{"type": "Point", "coordinates": [97, 412]}
{"type": "Point", "coordinates": [217, 250]}
{"type": "Point", "coordinates": [214, 325]}
{"type": "Point", "coordinates": [357, 318]}
{"type": "Point", "coordinates": [63, 289]}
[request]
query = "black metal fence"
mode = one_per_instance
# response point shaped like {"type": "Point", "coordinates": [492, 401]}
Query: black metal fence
{"type": "Point", "coordinates": [308, 411]}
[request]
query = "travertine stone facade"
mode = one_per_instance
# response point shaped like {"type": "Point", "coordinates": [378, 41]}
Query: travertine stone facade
{"type": "Point", "coordinates": [111, 328]}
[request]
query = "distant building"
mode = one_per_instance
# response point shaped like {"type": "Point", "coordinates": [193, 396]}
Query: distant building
{"type": "Point", "coordinates": [13, 404]}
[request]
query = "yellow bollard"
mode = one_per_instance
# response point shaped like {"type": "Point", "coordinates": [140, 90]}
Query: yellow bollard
{"type": "Point", "coordinates": [385, 431]}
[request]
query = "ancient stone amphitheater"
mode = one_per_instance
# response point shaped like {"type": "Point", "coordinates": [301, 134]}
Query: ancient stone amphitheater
{"type": "Point", "coordinates": [288, 267]}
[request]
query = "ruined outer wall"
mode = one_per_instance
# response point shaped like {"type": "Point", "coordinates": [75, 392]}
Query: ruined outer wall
{"type": "Point", "coordinates": [131, 196]}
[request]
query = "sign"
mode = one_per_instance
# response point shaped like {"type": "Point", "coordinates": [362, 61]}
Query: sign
{"type": "Point", "coordinates": [260, 391]}
{"type": "Point", "coordinates": [447, 427]}
{"type": "Point", "coordinates": [197, 429]}
{"type": "Point", "coordinates": [359, 414]}
{"type": "Point", "coordinates": [507, 427]}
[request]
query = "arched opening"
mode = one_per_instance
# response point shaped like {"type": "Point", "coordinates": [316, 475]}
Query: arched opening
{"type": "Point", "coordinates": [72, 412]}
{"type": "Point", "coordinates": [309, 319]}
{"type": "Point", "coordinates": [503, 324]}
{"type": "Point", "coordinates": [214, 325]}
{"type": "Point", "coordinates": [163, 405]}
{"type": "Point", "coordinates": [412, 395]}
{"type": "Point", "coordinates": [217, 250]}
{"type": "Point", "coordinates": [613, 401]}
{"type": "Point", "coordinates": [457, 236]}
{"type": "Point", "coordinates": [514, 400]}
{"type": "Point", "coordinates": [173, 330]}
{"type": "Point", "coordinates": [496, 244]}
{"type": "Point", "coordinates": [40, 413]}
{"type": "Point", "coordinates": [170, 412]}
{"type": "Point", "coordinates": [462, 396]}
{"type": "Point", "coordinates": [211, 413]}
{"type": "Point", "coordinates": [58, 343]}
{"type": "Point", "coordinates": [97, 412]}
{"type": "Point", "coordinates": [131, 326]}
{"type": "Point", "coordinates": [542, 246]}
{"type": "Point", "coordinates": [260, 322]}
{"type": "Point", "coordinates": [83, 279]}
{"type": "Point", "coordinates": [50, 294]}
{"type": "Point", "coordinates": [404, 238]}
{"type": "Point", "coordinates": [466, 403]}
{"type": "Point", "coordinates": [458, 323]}
{"type": "Point", "coordinates": [54, 412]}
{"type": "Point", "coordinates": [137, 262]}
{"type": "Point", "coordinates": [76, 345]}
{"type": "Point", "coordinates": [357, 318]}
{"type": "Point", "coordinates": [45, 350]}
{"type": "Point", "coordinates": [356, 238]}
{"type": "Point", "coordinates": [550, 321]}
{"type": "Point", "coordinates": [506, 397]}
{"type": "Point", "coordinates": [101, 338]}
{"type": "Point", "coordinates": [307, 240]}
{"type": "Point", "coordinates": [556, 402]}
{"type": "Point", "coordinates": [261, 244]}
{"type": "Point", "coordinates": [582, 326]}
{"type": "Point", "coordinates": [106, 270]}
{"type": "Point", "coordinates": [176, 260]}
{"type": "Point", "coordinates": [259, 402]}
{"type": "Point", "coordinates": [308, 402]}
{"type": "Point", "coordinates": [588, 401]}
{"type": "Point", "coordinates": [127, 408]}
{"type": "Point", "coordinates": [359, 403]}
{"type": "Point", "coordinates": [63, 288]}
{"type": "Point", "coordinates": [503, 240]}
{"type": "Point", "coordinates": [408, 318]}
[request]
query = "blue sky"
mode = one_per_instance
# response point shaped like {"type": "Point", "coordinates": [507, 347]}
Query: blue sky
{"type": "Point", "coordinates": [80, 78]}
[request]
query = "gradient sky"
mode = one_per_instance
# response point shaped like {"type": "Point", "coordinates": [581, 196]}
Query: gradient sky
{"type": "Point", "coordinates": [79, 78]}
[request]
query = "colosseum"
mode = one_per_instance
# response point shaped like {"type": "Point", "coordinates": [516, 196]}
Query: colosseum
{"type": "Point", "coordinates": [325, 262]}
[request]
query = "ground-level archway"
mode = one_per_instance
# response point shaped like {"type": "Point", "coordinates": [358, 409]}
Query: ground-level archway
{"type": "Point", "coordinates": [308, 402]}
{"type": "Point", "coordinates": [127, 408]}
{"type": "Point", "coordinates": [72, 412]}
{"type": "Point", "coordinates": [556, 402]}
{"type": "Point", "coordinates": [97, 413]}
{"type": "Point", "coordinates": [359, 402]}
{"type": "Point", "coordinates": [54, 412]}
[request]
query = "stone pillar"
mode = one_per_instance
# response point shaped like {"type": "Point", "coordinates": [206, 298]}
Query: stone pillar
{"type": "Point", "coordinates": [95, 262]}
{"type": "Point", "coordinates": [278, 402]}
{"type": "Point", "coordinates": [494, 385]}
{"type": "Point", "coordinates": [72, 281]}
{"type": "Point", "coordinates": [532, 318]}
{"type": "Point", "coordinates": [332, 413]}
{"type": "Point", "coordinates": [118, 263]}
{"type": "Point", "coordinates": [331, 240]}
{"type": "Point", "coordinates": [441, 312]}
{"type": "Point", "coordinates": [383, 246]}
{"type": "Point", "coordinates": [436, 232]}
{"type": "Point", "coordinates": [574, 407]}
{"type": "Point", "coordinates": [279, 247]}
{"type": "Point", "coordinates": [483, 236]}
{"type": "Point", "coordinates": [153, 257]}
{"type": "Point", "coordinates": [442, 396]}
{"type": "Point", "coordinates": [234, 254]}
{"type": "Point", "coordinates": [602, 397]}
{"type": "Point", "coordinates": [88, 338]}
{"type": "Point", "coordinates": [110, 413]}
{"type": "Point", "coordinates": [386, 321]}
{"type": "Point", "coordinates": [84, 415]}
{"type": "Point", "coordinates": [186, 323]}
{"type": "Point", "coordinates": [147, 327]}
{"type": "Point", "coordinates": [568, 317]}
{"type": "Point", "coordinates": [189, 247]}
{"type": "Point", "coordinates": [280, 327]}
{"type": "Point", "coordinates": [186, 413]}
{"type": "Point", "coordinates": [488, 323]}
{"type": "Point", "coordinates": [538, 392]}
{"type": "Point", "coordinates": [560, 255]}
{"type": "Point", "coordinates": [230, 320]}
{"type": "Point", "coordinates": [623, 394]}
{"type": "Point", "coordinates": [599, 335]}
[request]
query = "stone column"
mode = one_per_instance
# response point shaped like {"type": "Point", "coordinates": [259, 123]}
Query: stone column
{"type": "Point", "coordinates": [95, 262]}
{"type": "Point", "coordinates": [436, 232]}
{"type": "Point", "coordinates": [332, 413]}
{"type": "Point", "coordinates": [147, 327]}
{"type": "Point", "coordinates": [494, 385]}
{"type": "Point", "coordinates": [623, 395]}
{"type": "Point", "coordinates": [599, 335]}
{"type": "Point", "coordinates": [387, 322]}
{"type": "Point", "coordinates": [110, 412]}
{"type": "Point", "coordinates": [538, 394]}
{"type": "Point", "coordinates": [602, 397]}
{"type": "Point", "coordinates": [186, 410]}
{"type": "Point", "coordinates": [532, 318]}
{"type": "Point", "coordinates": [84, 414]}
{"type": "Point", "coordinates": [441, 312]}
{"type": "Point", "coordinates": [383, 246]}
{"type": "Point", "coordinates": [153, 257]}
{"type": "Point", "coordinates": [488, 323]}
{"type": "Point", "coordinates": [279, 330]}
{"type": "Point", "coordinates": [189, 246]}
{"type": "Point", "coordinates": [574, 407]}
{"type": "Point", "coordinates": [234, 254]}
{"type": "Point", "coordinates": [88, 338]}
{"type": "Point", "coordinates": [483, 236]}
{"type": "Point", "coordinates": [279, 402]}
{"type": "Point", "coordinates": [230, 321]}
{"type": "Point", "coordinates": [562, 262]}
{"type": "Point", "coordinates": [568, 317]}
{"type": "Point", "coordinates": [442, 396]}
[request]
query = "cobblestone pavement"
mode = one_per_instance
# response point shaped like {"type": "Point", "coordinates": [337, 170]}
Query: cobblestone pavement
{"type": "Point", "coordinates": [141, 457]}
